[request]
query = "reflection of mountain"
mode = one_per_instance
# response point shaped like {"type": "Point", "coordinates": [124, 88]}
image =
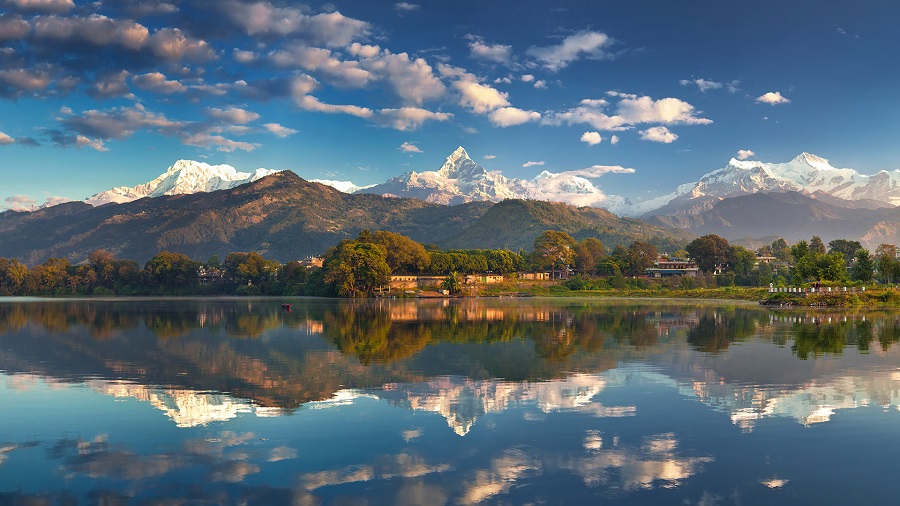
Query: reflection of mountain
{"type": "Point", "coordinates": [461, 401]}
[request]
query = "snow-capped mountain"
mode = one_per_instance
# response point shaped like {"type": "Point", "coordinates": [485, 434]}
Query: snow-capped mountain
{"type": "Point", "coordinates": [341, 186]}
{"type": "Point", "coordinates": [184, 177]}
{"type": "Point", "coordinates": [462, 180]}
{"type": "Point", "coordinates": [806, 173]}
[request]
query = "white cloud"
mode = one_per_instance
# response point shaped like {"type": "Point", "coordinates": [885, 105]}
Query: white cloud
{"type": "Point", "coordinates": [772, 98]}
{"type": "Point", "coordinates": [157, 82]}
{"type": "Point", "coordinates": [481, 50]}
{"type": "Point", "coordinates": [26, 80]}
{"type": "Point", "coordinates": [703, 84]}
{"type": "Point", "coordinates": [630, 110]}
{"type": "Point", "coordinates": [20, 203]}
{"type": "Point", "coordinates": [744, 154]}
{"type": "Point", "coordinates": [232, 115]}
{"type": "Point", "coordinates": [503, 80]}
{"type": "Point", "coordinates": [532, 164]}
{"type": "Point", "coordinates": [171, 44]}
{"type": "Point", "coordinates": [209, 140]}
{"type": "Point", "coordinates": [95, 29]}
{"type": "Point", "coordinates": [244, 57]}
{"type": "Point", "coordinates": [527, 78]}
{"type": "Point", "coordinates": [510, 116]}
{"type": "Point", "coordinates": [43, 5]}
{"type": "Point", "coordinates": [406, 7]}
{"type": "Point", "coordinates": [5, 139]}
{"type": "Point", "coordinates": [490, 157]}
{"type": "Point", "coordinates": [13, 27]}
{"type": "Point", "coordinates": [310, 103]}
{"type": "Point", "coordinates": [331, 29]}
{"type": "Point", "coordinates": [342, 73]}
{"type": "Point", "coordinates": [96, 144]}
{"type": "Point", "coordinates": [658, 134]}
{"type": "Point", "coordinates": [588, 44]}
{"type": "Point", "coordinates": [412, 79]}
{"type": "Point", "coordinates": [592, 138]}
{"type": "Point", "coordinates": [481, 98]}
{"type": "Point", "coordinates": [541, 84]}
{"type": "Point", "coordinates": [408, 147]}
{"type": "Point", "coordinates": [595, 171]}
{"type": "Point", "coordinates": [279, 130]}
{"type": "Point", "coordinates": [614, 139]}
{"type": "Point", "coordinates": [409, 118]}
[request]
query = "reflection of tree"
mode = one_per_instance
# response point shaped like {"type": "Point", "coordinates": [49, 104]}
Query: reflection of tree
{"type": "Point", "coordinates": [818, 336]}
{"type": "Point", "coordinates": [716, 331]}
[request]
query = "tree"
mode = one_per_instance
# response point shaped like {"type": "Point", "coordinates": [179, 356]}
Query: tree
{"type": "Point", "coordinates": [641, 256]}
{"type": "Point", "coordinates": [553, 249]}
{"type": "Point", "coordinates": [832, 267]}
{"type": "Point", "coordinates": [816, 245]}
{"type": "Point", "coordinates": [846, 248]}
{"type": "Point", "coordinates": [886, 262]}
{"type": "Point", "coordinates": [744, 261]}
{"type": "Point", "coordinates": [863, 267]}
{"type": "Point", "coordinates": [781, 250]}
{"type": "Point", "coordinates": [710, 251]}
{"type": "Point", "coordinates": [172, 272]}
{"type": "Point", "coordinates": [799, 250]}
{"type": "Point", "coordinates": [452, 283]}
{"type": "Point", "coordinates": [357, 268]}
{"type": "Point", "coordinates": [589, 253]}
{"type": "Point", "coordinates": [404, 256]}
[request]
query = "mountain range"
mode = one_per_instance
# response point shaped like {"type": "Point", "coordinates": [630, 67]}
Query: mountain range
{"type": "Point", "coordinates": [285, 217]}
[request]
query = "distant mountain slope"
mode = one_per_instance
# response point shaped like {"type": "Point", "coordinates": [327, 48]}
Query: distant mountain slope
{"type": "Point", "coordinates": [806, 174]}
{"type": "Point", "coordinates": [285, 217]}
{"type": "Point", "coordinates": [514, 224]}
{"type": "Point", "coordinates": [791, 215]}
{"type": "Point", "coordinates": [281, 216]}
{"type": "Point", "coordinates": [184, 177]}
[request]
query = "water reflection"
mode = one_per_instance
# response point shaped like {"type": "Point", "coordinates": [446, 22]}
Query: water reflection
{"type": "Point", "coordinates": [432, 402]}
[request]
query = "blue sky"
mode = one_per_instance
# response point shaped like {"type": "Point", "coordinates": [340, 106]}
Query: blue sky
{"type": "Point", "coordinates": [102, 94]}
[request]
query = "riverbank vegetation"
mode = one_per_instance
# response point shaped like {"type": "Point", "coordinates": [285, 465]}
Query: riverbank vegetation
{"type": "Point", "coordinates": [557, 265]}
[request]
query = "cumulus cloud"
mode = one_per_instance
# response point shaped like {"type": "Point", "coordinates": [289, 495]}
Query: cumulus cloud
{"type": "Point", "coordinates": [658, 134]}
{"type": "Point", "coordinates": [541, 84]}
{"type": "Point", "coordinates": [614, 139]}
{"type": "Point", "coordinates": [629, 111]}
{"type": "Point", "coordinates": [232, 115]}
{"type": "Point", "coordinates": [532, 164]}
{"type": "Point", "coordinates": [263, 19]}
{"type": "Point", "coordinates": [703, 84]}
{"type": "Point", "coordinates": [744, 154]}
{"type": "Point", "coordinates": [587, 44]}
{"type": "Point", "coordinates": [481, 98]}
{"type": "Point", "coordinates": [279, 130]}
{"type": "Point", "coordinates": [5, 139]}
{"type": "Point", "coordinates": [20, 203]}
{"type": "Point", "coordinates": [409, 118]}
{"type": "Point", "coordinates": [171, 44]}
{"type": "Point", "coordinates": [408, 147]}
{"type": "Point", "coordinates": [406, 7]}
{"type": "Point", "coordinates": [54, 6]}
{"type": "Point", "coordinates": [310, 103]}
{"type": "Point", "coordinates": [496, 53]}
{"type": "Point", "coordinates": [510, 116]}
{"type": "Point", "coordinates": [158, 83]}
{"type": "Point", "coordinates": [25, 80]}
{"type": "Point", "coordinates": [592, 138]}
{"type": "Point", "coordinates": [95, 29]}
{"type": "Point", "coordinates": [772, 98]}
{"type": "Point", "coordinates": [595, 171]}
{"type": "Point", "coordinates": [110, 84]}
{"type": "Point", "coordinates": [527, 78]}
{"type": "Point", "coordinates": [412, 79]}
{"type": "Point", "coordinates": [13, 27]}
{"type": "Point", "coordinates": [323, 61]}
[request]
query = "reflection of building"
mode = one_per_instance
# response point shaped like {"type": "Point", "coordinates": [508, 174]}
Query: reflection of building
{"type": "Point", "coordinates": [665, 323]}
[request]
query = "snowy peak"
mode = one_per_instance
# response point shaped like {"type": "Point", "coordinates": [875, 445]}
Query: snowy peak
{"type": "Point", "coordinates": [183, 177]}
{"type": "Point", "coordinates": [806, 173]}
{"type": "Point", "coordinates": [459, 166]}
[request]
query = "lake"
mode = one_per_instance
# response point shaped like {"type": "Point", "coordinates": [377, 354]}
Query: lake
{"type": "Point", "coordinates": [473, 401]}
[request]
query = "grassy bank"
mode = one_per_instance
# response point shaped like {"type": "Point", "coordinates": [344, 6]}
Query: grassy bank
{"type": "Point", "coordinates": [555, 289]}
{"type": "Point", "coordinates": [873, 298]}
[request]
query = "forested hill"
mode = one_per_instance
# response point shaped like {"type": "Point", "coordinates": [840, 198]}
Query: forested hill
{"type": "Point", "coordinates": [285, 217]}
{"type": "Point", "coordinates": [514, 224]}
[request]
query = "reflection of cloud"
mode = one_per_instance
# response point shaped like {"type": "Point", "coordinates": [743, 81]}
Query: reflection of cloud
{"type": "Point", "coordinates": [282, 453]}
{"type": "Point", "coordinates": [233, 471]}
{"type": "Point", "coordinates": [409, 435]}
{"type": "Point", "coordinates": [392, 466]}
{"type": "Point", "coordinates": [774, 482]}
{"type": "Point", "coordinates": [609, 463]}
{"type": "Point", "coordinates": [420, 493]}
{"type": "Point", "coordinates": [504, 471]}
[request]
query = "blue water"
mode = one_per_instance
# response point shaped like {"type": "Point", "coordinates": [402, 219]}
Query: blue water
{"type": "Point", "coordinates": [533, 401]}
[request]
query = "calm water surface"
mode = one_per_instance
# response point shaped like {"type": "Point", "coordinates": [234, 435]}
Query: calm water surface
{"type": "Point", "coordinates": [530, 401]}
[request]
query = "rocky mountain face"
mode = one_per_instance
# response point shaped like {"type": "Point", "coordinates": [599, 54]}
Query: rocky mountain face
{"type": "Point", "coordinates": [184, 177]}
